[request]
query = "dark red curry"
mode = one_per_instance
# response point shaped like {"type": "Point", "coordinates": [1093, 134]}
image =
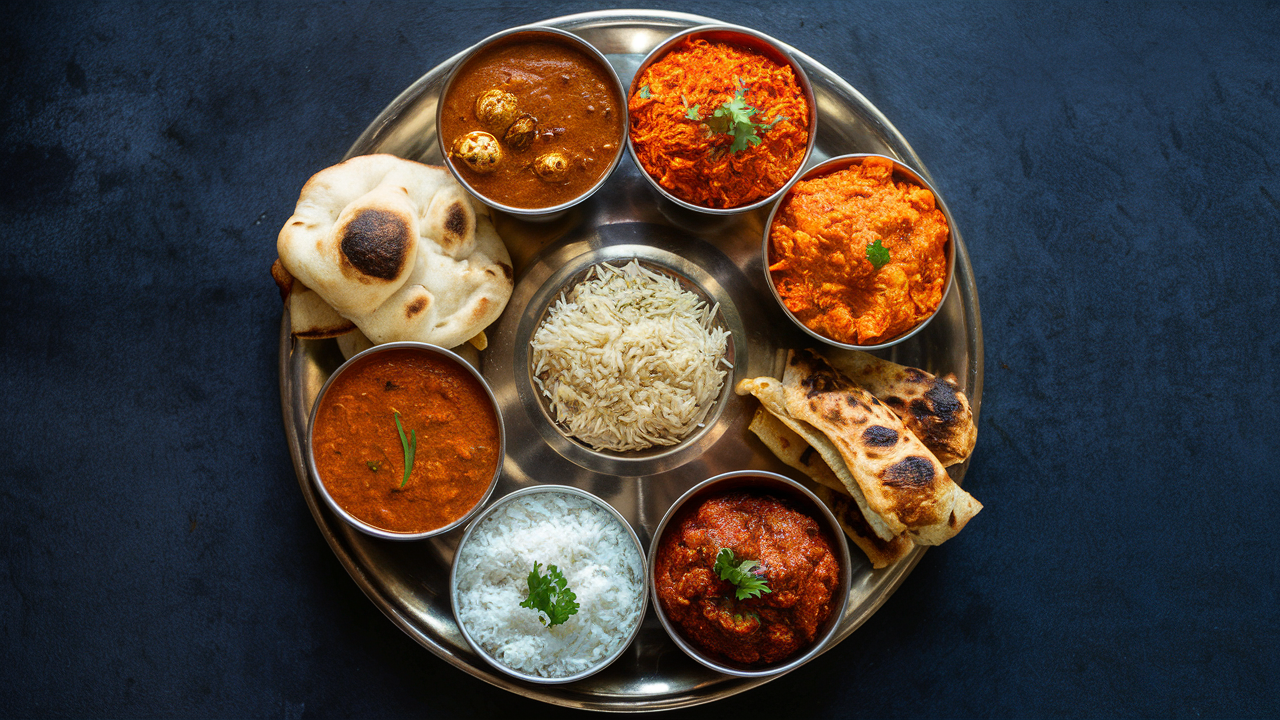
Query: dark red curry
{"type": "Point", "coordinates": [794, 555]}
{"type": "Point", "coordinates": [359, 456]}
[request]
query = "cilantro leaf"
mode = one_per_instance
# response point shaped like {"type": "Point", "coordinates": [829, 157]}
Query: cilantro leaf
{"type": "Point", "coordinates": [734, 118]}
{"type": "Point", "coordinates": [749, 584]}
{"type": "Point", "coordinates": [693, 114]}
{"type": "Point", "coordinates": [877, 254]}
{"type": "Point", "coordinates": [550, 595]}
{"type": "Point", "coordinates": [644, 92]}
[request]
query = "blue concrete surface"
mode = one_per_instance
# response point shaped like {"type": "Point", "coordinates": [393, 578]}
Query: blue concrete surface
{"type": "Point", "coordinates": [1113, 167]}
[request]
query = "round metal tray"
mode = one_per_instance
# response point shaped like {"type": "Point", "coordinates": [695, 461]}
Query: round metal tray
{"type": "Point", "coordinates": [721, 256]}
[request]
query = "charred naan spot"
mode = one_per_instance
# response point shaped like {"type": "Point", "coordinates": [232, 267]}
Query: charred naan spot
{"type": "Point", "coordinates": [879, 436]}
{"type": "Point", "coordinates": [952, 520]}
{"type": "Point", "coordinates": [893, 401]}
{"type": "Point", "coordinates": [375, 243]}
{"type": "Point", "coordinates": [415, 307]}
{"type": "Point", "coordinates": [835, 418]}
{"type": "Point", "coordinates": [910, 472]}
{"type": "Point", "coordinates": [852, 401]}
{"type": "Point", "coordinates": [506, 270]}
{"type": "Point", "coordinates": [919, 409]}
{"type": "Point", "coordinates": [455, 221]}
{"type": "Point", "coordinates": [946, 404]}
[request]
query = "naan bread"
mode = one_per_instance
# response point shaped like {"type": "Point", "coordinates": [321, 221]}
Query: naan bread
{"type": "Point", "coordinates": [310, 317]}
{"type": "Point", "coordinates": [794, 451]}
{"type": "Point", "coordinates": [932, 408]}
{"type": "Point", "coordinates": [398, 248]}
{"type": "Point", "coordinates": [901, 481]}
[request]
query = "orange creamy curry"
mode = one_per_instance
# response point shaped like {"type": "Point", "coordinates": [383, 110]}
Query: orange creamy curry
{"type": "Point", "coordinates": [794, 556]}
{"type": "Point", "coordinates": [574, 106]}
{"type": "Point", "coordinates": [359, 456]}
{"type": "Point", "coordinates": [818, 253]}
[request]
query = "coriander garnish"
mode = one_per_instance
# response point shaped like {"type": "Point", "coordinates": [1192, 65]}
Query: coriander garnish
{"type": "Point", "coordinates": [877, 254]}
{"type": "Point", "coordinates": [749, 584]}
{"type": "Point", "coordinates": [734, 118]}
{"type": "Point", "coordinates": [551, 596]}
{"type": "Point", "coordinates": [410, 446]}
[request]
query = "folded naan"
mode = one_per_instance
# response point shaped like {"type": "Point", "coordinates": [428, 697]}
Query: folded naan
{"type": "Point", "coordinates": [932, 408]}
{"type": "Point", "coordinates": [900, 481]}
{"type": "Point", "coordinates": [792, 449]}
{"type": "Point", "coordinates": [399, 249]}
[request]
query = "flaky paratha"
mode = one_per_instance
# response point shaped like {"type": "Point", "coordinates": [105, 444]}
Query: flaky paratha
{"type": "Point", "coordinates": [792, 449]}
{"type": "Point", "coordinates": [932, 408]}
{"type": "Point", "coordinates": [901, 481]}
{"type": "Point", "coordinates": [769, 392]}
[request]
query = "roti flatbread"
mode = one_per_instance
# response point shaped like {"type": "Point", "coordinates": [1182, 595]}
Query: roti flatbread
{"type": "Point", "coordinates": [795, 452]}
{"type": "Point", "coordinates": [901, 482]}
{"type": "Point", "coordinates": [932, 408]}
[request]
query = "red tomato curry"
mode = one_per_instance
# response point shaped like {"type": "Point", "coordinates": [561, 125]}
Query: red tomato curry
{"type": "Point", "coordinates": [794, 556]}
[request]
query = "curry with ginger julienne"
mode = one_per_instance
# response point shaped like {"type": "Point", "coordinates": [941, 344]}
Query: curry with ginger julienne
{"type": "Point", "coordinates": [359, 455]}
{"type": "Point", "coordinates": [793, 555]}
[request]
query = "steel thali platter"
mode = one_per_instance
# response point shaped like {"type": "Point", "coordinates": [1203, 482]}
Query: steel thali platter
{"type": "Point", "coordinates": [719, 257]}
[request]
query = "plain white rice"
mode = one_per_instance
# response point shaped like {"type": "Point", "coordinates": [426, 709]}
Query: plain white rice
{"type": "Point", "coordinates": [629, 359]}
{"type": "Point", "coordinates": [599, 560]}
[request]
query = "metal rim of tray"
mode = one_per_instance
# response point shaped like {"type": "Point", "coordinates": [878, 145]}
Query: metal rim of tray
{"type": "Point", "coordinates": [409, 581]}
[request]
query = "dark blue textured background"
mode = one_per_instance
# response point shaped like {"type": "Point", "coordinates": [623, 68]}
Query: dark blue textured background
{"type": "Point", "coordinates": [1114, 170]}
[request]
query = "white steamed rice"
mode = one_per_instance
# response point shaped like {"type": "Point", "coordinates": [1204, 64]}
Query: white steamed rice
{"type": "Point", "coordinates": [591, 548]}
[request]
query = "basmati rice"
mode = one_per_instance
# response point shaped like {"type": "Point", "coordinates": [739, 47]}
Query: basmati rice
{"type": "Point", "coordinates": [629, 359]}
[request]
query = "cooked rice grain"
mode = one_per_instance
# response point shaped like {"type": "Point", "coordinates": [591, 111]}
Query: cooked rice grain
{"type": "Point", "coordinates": [629, 359]}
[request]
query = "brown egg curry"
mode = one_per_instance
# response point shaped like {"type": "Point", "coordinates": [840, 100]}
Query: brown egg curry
{"type": "Point", "coordinates": [532, 122]}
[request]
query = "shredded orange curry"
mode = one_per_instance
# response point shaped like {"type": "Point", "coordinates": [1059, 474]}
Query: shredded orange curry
{"type": "Point", "coordinates": [695, 164]}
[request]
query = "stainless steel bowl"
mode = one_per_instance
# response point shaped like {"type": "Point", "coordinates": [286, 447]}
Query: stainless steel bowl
{"type": "Point", "coordinates": [745, 37]}
{"type": "Point", "coordinates": [630, 632]}
{"type": "Point", "coordinates": [839, 163]}
{"type": "Point", "coordinates": [803, 500]}
{"type": "Point", "coordinates": [361, 359]}
{"type": "Point", "coordinates": [530, 33]}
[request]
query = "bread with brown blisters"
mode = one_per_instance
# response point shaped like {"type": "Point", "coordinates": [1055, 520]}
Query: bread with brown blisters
{"type": "Point", "coordinates": [792, 449]}
{"type": "Point", "coordinates": [932, 408]}
{"type": "Point", "coordinates": [399, 249]}
{"type": "Point", "coordinates": [902, 483]}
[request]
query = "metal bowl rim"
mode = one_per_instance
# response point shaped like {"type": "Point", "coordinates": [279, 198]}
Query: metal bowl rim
{"type": "Point", "coordinates": [644, 585]}
{"type": "Point", "coordinates": [840, 162]}
{"type": "Point", "coordinates": [841, 547]}
{"type": "Point", "coordinates": [802, 78]}
{"type": "Point", "coordinates": [568, 38]}
{"type": "Point", "coordinates": [361, 525]}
